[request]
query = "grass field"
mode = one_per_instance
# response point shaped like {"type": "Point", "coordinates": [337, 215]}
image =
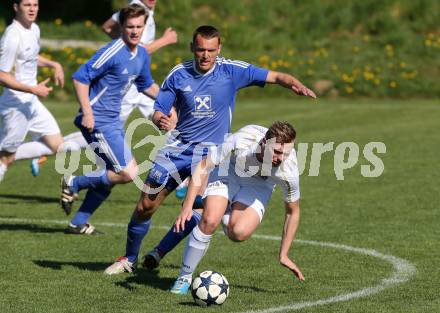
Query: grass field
{"type": "Point", "coordinates": [385, 231]}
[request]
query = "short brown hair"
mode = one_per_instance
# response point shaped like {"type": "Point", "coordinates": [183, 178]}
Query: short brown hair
{"type": "Point", "coordinates": [133, 10]}
{"type": "Point", "coordinates": [283, 132]}
{"type": "Point", "coordinates": [207, 31]}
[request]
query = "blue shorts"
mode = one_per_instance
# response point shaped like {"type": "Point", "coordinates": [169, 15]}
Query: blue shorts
{"type": "Point", "coordinates": [174, 163]}
{"type": "Point", "coordinates": [108, 143]}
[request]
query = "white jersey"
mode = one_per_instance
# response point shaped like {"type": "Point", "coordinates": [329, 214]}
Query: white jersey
{"type": "Point", "coordinates": [19, 50]}
{"type": "Point", "coordinates": [149, 32]}
{"type": "Point", "coordinates": [241, 149]}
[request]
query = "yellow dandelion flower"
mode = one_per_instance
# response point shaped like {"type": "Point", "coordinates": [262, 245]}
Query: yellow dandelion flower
{"type": "Point", "coordinates": [366, 38]}
{"type": "Point", "coordinates": [377, 81]}
{"type": "Point", "coordinates": [393, 84]}
{"type": "Point", "coordinates": [402, 64]}
{"type": "Point", "coordinates": [355, 49]}
{"type": "Point", "coordinates": [263, 59]}
{"type": "Point", "coordinates": [349, 89]}
{"type": "Point", "coordinates": [58, 21]}
{"type": "Point", "coordinates": [290, 52]}
{"type": "Point", "coordinates": [311, 61]}
{"type": "Point", "coordinates": [178, 60]}
{"type": "Point", "coordinates": [153, 66]}
{"type": "Point", "coordinates": [428, 42]}
{"type": "Point", "coordinates": [368, 76]}
{"type": "Point", "coordinates": [88, 23]}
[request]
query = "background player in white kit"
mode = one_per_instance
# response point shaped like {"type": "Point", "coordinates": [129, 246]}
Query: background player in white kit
{"type": "Point", "coordinates": [133, 99]}
{"type": "Point", "coordinates": [20, 110]}
{"type": "Point", "coordinates": [243, 174]}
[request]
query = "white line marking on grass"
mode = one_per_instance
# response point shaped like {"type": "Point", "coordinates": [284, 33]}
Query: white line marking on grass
{"type": "Point", "coordinates": [403, 270]}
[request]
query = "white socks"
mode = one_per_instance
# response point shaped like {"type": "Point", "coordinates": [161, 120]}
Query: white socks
{"type": "Point", "coordinates": [75, 140]}
{"type": "Point", "coordinates": [3, 169]}
{"type": "Point", "coordinates": [35, 149]}
{"type": "Point", "coordinates": [195, 249]}
{"type": "Point", "coordinates": [32, 149]}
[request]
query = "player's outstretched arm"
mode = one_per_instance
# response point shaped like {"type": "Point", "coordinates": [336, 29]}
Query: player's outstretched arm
{"type": "Point", "coordinates": [59, 72]}
{"type": "Point", "coordinates": [290, 82]}
{"type": "Point", "coordinates": [291, 223]}
{"type": "Point", "coordinates": [82, 94]}
{"type": "Point", "coordinates": [169, 37]}
{"type": "Point", "coordinates": [111, 28]}
{"type": "Point", "coordinates": [198, 180]}
{"type": "Point", "coordinates": [8, 80]}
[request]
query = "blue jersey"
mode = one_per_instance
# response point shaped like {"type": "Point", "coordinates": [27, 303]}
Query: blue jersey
{"type": "Point", "coordinates": [205, 102]}
{"type": "Point", "coordinates": [110, 73]}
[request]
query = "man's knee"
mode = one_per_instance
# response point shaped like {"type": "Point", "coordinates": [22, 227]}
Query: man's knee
{"type": "Point", "coordinates": [208, 224]}
{"type": "Point", "coordinates": [237, 233]}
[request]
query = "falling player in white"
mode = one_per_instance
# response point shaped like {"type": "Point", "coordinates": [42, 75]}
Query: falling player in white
{"type": "Point", "coordinates": [241, 175]}
{"type": "Point", "coordinates": [133, 99]}
{"type": "Point", "coordinates": [20, 109]}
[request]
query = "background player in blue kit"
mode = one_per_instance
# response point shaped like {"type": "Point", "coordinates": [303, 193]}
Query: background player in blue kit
{"type": "Point", "coordinates": [100, 85]}
{"type": "Point", "coordinates": [203, 92]}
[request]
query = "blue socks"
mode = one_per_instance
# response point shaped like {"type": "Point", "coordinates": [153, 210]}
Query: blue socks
{"type": "Point", "coordinates": [92, 201]}
{"type": "Point", "coordinates": [172, 239]}
{"type": "Point", "coordinates": [96, 180]}
{"type": "Point", "coordinates": [135, 234]}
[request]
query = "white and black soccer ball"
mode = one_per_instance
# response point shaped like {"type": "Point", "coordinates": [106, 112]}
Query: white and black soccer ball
{"type": "Point", "coordinates": [210, 288]}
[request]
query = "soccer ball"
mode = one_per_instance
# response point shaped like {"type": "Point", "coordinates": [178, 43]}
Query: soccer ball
{"type": "Point", "coordinates": [210, 288]}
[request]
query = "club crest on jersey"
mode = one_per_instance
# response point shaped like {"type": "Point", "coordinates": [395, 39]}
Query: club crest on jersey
{"type": "Point", "coordinates": [202, 103]}
{"type": "Point", "coordinates": [203, 106]}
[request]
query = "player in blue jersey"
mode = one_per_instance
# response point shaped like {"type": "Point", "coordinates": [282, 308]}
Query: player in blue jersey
{"type": "Point", "coordinates": [203, 92]}
{"type": "Point", "coordinates": [100, 85]}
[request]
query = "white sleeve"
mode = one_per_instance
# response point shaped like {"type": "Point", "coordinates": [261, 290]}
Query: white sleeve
{"type": "Point", "coordinates": [8, 50]}
{"type": "Point", "coordinates": [221, 152]}
{"type": "Point", "coordinates": [290, 186]}
{"type": "Point", "coordinates": [115, 17]}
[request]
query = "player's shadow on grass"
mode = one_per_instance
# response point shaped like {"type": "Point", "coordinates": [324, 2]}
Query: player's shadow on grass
{"type": "Point", "coordinates": [148, 278]}
{"type": "Point", "coordinates": [29, 198]}
{"type": "Point", "coordinates": [31, 228]}
{"type": "Point", "coordinates": [57, 265]}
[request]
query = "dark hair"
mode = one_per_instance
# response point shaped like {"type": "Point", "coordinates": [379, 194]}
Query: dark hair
{"type": "Point", "coordinates": [207, 31]}
{"type": "Point", "coordinates": [17, 2]}
{"type": "Point", "coordinates": [133, 10]}
{"type": "Point", "coordinates": [283, 132]}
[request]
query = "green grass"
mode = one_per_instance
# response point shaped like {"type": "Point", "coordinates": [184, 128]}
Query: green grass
{"type": "Point", "coordinates": [44, 270]}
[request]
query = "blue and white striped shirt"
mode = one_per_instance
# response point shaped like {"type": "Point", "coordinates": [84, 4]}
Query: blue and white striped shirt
{"type": "Point", "coordinates": [205, 102]}
{"type": "Point", "coordinates": [110, 73]}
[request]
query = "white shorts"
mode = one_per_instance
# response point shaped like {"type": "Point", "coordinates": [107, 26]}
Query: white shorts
{"type": "Point", "coordinates": [135, 99]}
{"type": "Point", "coordinates": [253, 192]}
{"type": "Point", "coordinates": [17, 121]}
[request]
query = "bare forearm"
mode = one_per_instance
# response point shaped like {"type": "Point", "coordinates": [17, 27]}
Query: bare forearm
{"type": "Point", "coordinates": [152, 91]}
{"type": "Point", "coordinates": [43, 62]}
{"type": "Point", "coordinates": [198, 179]}
{"type": "Point", "coordinates": [290, 82]}
{"type": "Point", "coordinates": [111, 28]}
{"type": "Point", "coordinates": [291, 223]}
{"type": "Point", "coordinates": [9, 81]}
{"type": "Point", "coordinates": [156, 45]}
{"type": "Point", "coordinates": [82, 94]}
{"type": "Point", "coordinates": [282, 79]}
